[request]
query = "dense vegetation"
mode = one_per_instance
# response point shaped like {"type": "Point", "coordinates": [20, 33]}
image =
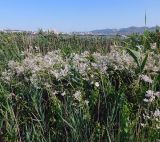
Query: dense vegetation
{"type": "Point", "coordinates": [79, 88]}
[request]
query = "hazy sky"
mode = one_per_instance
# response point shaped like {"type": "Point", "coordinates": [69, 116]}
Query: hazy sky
{"type": "Point", "coordinates": [77, 15]}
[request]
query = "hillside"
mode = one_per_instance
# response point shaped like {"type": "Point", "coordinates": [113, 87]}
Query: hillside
{"type": "Point", "coordinates": [122, 31]}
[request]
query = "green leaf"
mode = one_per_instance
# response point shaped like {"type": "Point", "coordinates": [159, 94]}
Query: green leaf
{"type": "Point", "coordinates": [144, 62]}
{"type": "Point", "coordinates": [135, 55]}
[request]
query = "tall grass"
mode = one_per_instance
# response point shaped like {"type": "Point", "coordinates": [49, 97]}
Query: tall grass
{"type": "Point", "coordinates": [95, 104]}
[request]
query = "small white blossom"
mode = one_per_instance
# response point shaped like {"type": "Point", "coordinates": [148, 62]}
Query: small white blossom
{"type": "Point", "coordinates": [146, 100]}
{"type": "Point", "coordinates": [153, 45]}
{"type": "Point", "coordinates": [149, 100]}
{"type": "Point", "coordinates": [143, 125]}
{"type": "Point", "coordinates": [12, 64]}
{"type": "Point", "coordinates": [97, 84]}
{"type": "Point", "coordinates": [20, 70]}
{"type": "Point", "coordinates": [146, 78]}
{"type": "Point", "coordinates": [64, 93]}
{"type": "Point", "coordinates": [156, 113]}
{"type": "Point", "coordinates": [157, 94]}
{"type": "Point", "coordinates": [77, 95]}
{"type": "Point", "coordinates": [152, 99]}
{"type": "Point", "coordinates": [92, 76]}
{"type": "Point", "coordinates": [150, 93]}
{"type": "Point", "coordinates": [86, 102]}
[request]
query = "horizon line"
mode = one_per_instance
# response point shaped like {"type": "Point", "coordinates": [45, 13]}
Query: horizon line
{"type": "Point", "coordinates": [55, 30]}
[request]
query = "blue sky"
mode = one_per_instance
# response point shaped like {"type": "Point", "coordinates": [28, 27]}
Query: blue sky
{"type": "Point", "coordinates": [77, 15]}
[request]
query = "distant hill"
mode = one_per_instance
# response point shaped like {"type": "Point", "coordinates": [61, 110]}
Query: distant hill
{"type": "Point", "coordinates": [122, 31]}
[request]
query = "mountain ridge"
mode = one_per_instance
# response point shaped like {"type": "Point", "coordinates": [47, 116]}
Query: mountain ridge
{"type": "Point", "coordinates": [122, 31]}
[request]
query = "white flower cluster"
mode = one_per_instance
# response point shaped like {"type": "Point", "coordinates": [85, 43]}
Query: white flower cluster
{"type": "Point", "coordinates": [35, 67]}
{"type": "Point", "coordinates": [153, 116]}
{"type": "Point", "coordinates": [153, 45]}
{"type": "Point", "coordinates": [146, 78]}
{"type": "Point", "coordinates": [156, 113]}
{"type": "Point", "coordinates": [81, 63]}
{"type": "Point", "coordinates": [121, 60]}
{"type": "Point", "coordinates": [153, 62]}
{"type": "Point", "coordinates": [115, 59]}
{"type": "Point", "coordinates": [151, 96]}
{"type": "Point", "coordinates": [77, 95]}
{"type": "Point", "coordinates": [101, 62]}
{"type": "Point", "coordinates": [38, 68]}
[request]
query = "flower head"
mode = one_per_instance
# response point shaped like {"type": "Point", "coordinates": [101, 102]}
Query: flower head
{"type": "Point", "coordinates": [146, 78]}
{"type": "Point", "coordinates": [97, 84]}
{"type": "Point", "coordinates": [77, 95]}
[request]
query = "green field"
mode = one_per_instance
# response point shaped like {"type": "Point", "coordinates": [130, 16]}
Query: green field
{"type": "Point", "coordinates": [69, 88]}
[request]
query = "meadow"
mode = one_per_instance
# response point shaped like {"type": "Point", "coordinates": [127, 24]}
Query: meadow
{"type": "Point", "coordinates": [69, 88]}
